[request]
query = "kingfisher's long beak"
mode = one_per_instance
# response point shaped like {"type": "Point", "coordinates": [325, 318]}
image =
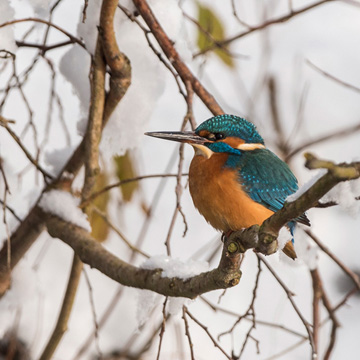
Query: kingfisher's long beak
{"type": "Point", "coordinates": [189, 137]}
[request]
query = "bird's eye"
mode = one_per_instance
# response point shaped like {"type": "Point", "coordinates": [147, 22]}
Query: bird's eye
{"type": "Point", "coordinates": [215, 136]}
{"type": "Point", "coordinates": [219, 136]}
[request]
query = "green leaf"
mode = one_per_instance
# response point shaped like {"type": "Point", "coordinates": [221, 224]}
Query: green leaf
{"type": "Point", "coordinates": [211, 24]}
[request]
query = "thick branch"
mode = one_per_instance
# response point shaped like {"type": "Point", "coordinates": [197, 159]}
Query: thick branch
{"type": "Point", "coordinates": [120, 74]}
{"type": "Point", "coordinates": [94, 127]}
{"type": "Point", "coordinates": [291, 210]}
{"type": "Point", "coordinates": [94, 254]}
{"type": "Point", "coordinates": [263, 238]}
{"type": "Point", "coordinates": [168, 48]}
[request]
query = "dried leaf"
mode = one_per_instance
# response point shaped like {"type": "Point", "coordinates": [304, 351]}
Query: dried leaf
{"type": "Point", "coordinates": [99, 227]}
{"type": "Point", "coordinates": [125, 169]}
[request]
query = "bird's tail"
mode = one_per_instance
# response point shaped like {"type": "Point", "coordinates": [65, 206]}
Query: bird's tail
{"type": "Point", "coordinates": [289, 249]}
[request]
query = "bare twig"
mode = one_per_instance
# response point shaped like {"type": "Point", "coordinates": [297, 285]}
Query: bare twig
{"type": "Point", "coordinates": [278, 20]}
{"type": "Point", "coordinates": [3, 123]}
{"type": "Point", "coordinates": [44, 48]}
{"type": "Point", "coordinates": [126, 181]}
{"type": "Point", "coordinates": [187, 333]}
{"type": "Point", "coordinates": [343, 267]}
{"type": "Point", "coordinates": [162, 330]}
{"type": "Point", "coordinates": [216, 344]}
{"type": "Point", "coordinates": [335, 135]}
{"type": "Point", "coordinates": [259, 322]}
{"type": "Point", "coordinates": [92, 304]}
{"type": "Point", "coordinates": [61, 325]}
{"type": "Point", "coordinates": [30, 19]}
{"type": "Point", "coordinates": [11, 210]}
{"type": "Point", "coordinates": [295, 307]}
{"type": "Point", "coordinates": [167, 46]}
{"type": "Point", "coordinates": [118, 232]}
{"type": "Point", "coordinates": [317, 294]}
{"type": "Point", "coordinates": [332, 77]}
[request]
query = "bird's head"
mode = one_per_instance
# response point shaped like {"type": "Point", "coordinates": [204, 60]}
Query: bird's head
{"type": "Point", "coordinates": [219, 134]}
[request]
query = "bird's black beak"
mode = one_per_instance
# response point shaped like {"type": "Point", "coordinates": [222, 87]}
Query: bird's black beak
{"type": "Point", "coordinates": [189, 137]}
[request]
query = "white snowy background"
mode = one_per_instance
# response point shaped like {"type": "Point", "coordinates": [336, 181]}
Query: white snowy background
{"type": "Point", "coordinates": [328, 36]}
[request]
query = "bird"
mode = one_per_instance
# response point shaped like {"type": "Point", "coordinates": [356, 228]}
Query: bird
{"type": "Point", "coordinates": [234, 180]}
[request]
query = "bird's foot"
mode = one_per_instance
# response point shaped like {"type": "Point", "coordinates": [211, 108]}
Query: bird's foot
{"type": "Point", "coordinates": [225, 235]}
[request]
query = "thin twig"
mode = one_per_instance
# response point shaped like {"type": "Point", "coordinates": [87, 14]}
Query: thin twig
{"type": "Point", "coordinates": [126, 181]}
{"type": "Point", "coordinates": [11, 210]}
{"type": "Point", "coordinates": [335, 135]}
{"type": "Point", "coordinates": [162, 330]}
{"type": "Point", "coordinates": [290, 297]}
{"type": "Point", "coordinates": [71, 37]}
{"type": "Point", "coordinates": [216, 344]}
{"type": "Point", "coordinates": [3, 123]}
{"type": "Point", "coordinates": [66, 308]}
{"type": "Point", "coordinates": [278, 20]}
{"type": "Point", "coordinates": [259, 322]}
{"type": "Point", "coordinates": [93, 311]}
{"type": "Point", "coordinates": [343, 267]}
{"type": "Point", "coordinates": [187, 333]}
{"type": "Point", "coordinates": [332, 77]}
{"type": "Point", "coordinates": [118, 232]}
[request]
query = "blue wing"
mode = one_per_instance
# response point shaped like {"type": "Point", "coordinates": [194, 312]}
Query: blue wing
{"type": "Point", "coordinates": [265, 178]}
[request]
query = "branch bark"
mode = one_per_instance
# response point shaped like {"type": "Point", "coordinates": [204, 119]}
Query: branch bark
{"type": "Point", "coordinates": [168, 48]}
{"type": "Point", "coordinates": [93, 253]}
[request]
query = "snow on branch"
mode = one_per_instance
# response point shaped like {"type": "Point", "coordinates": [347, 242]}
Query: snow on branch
{"type": "Point", "coordinates": [65, 206]}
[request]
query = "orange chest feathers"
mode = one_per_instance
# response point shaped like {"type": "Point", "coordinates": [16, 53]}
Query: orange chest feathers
{"type": "Point", "coordinates": [218, 196]}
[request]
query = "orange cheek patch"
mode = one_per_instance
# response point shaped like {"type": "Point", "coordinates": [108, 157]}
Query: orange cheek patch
{"type": "Point", "coordinates": [234, 142]}
{"type": "Point", "coordinates": [204, 133]}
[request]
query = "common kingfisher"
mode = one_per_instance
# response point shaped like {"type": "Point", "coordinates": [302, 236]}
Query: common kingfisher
{"type": "Point", "coordinates": [235, 181]}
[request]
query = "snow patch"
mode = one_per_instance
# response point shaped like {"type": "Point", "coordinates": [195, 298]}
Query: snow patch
{"type": "Point", "coordinates": [74, 66]}
{"type": "Point", "coordinates": [7, 39]}
{"type": "Point", "coordinates": [306, 250]}
{"type": "Point", "coordinates": [41, 7]}
{"type": "Point", "coordinates": [57, 158]}
{"type": "Point", "coordinates": [175, 267]}
{"type": "Point", "coordinates": [25, 284]}
{"type": "Point", "coordinates": [284, 237]}
{"type": "Point", "coordinates": [345, 194]}
{"type": "Point", "coordinates": [64, 205]}
{"type": "Point", "coordinates": [149, 300]}
{"type": "Point", "coordinates": [306, 186]}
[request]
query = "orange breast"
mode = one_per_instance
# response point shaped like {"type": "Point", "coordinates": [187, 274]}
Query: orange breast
{"type": "Point", "coordinates": [219, 197]}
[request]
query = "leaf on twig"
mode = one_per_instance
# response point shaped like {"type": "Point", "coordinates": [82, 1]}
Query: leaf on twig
{"type": "Point", "coordinates": [213, 26]}
{"type": "Point", "coordinates": [125, 169]}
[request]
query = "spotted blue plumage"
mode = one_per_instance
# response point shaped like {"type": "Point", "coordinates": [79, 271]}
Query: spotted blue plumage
{"type": "Point", "coordinates": [264, 177]}
{"type": "Point", "coordinates": [231, 125]}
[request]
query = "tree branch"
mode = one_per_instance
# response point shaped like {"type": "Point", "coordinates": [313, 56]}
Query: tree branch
{"type": "Point", "coordinates": [262, 26]}
{"type": "Point", "coordinates": [168, 48]}
{"type": "Point", "coordinates": [61, 325]}
{"type": "Point", "coordinates": [93, 253]}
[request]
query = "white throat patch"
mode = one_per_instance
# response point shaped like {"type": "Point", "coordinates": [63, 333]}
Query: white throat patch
{"type": "Point", "coordinates": [202, 151]}
{"type": "Point", "coordinates": [247, 147]}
